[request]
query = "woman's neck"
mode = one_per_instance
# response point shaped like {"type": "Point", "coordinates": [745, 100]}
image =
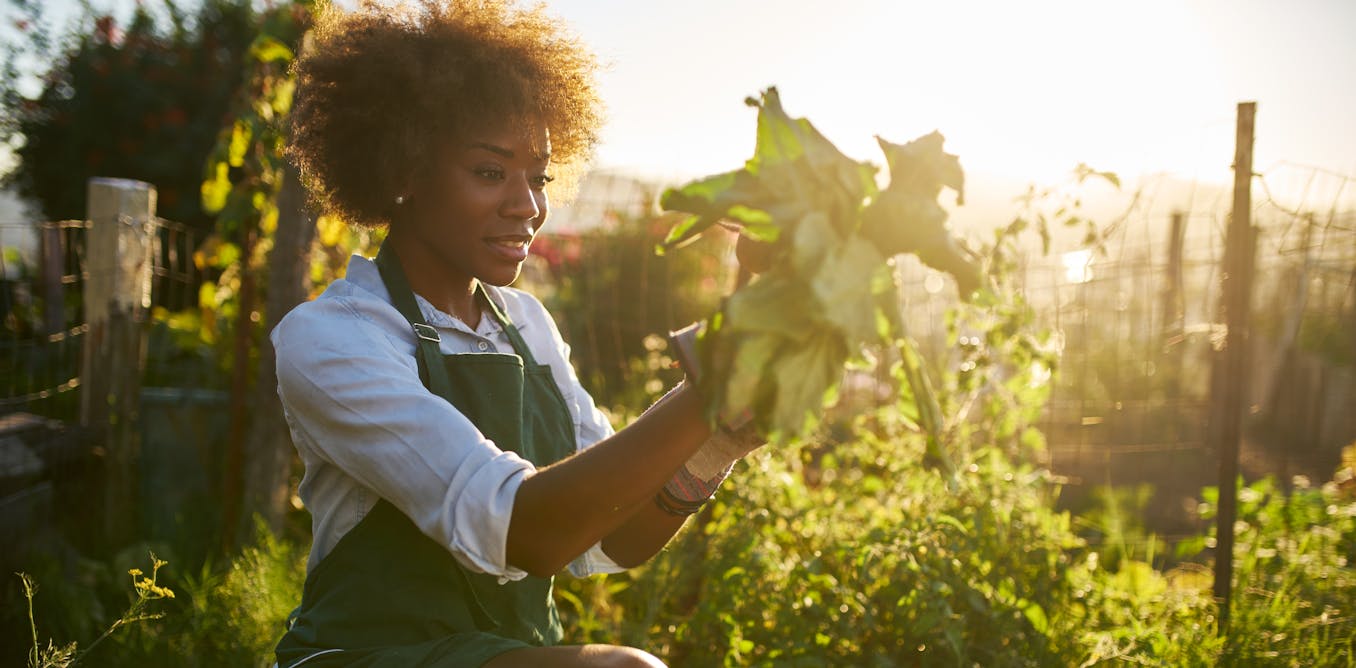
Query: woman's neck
{"type": "Point", "coordinates": [436, 281]}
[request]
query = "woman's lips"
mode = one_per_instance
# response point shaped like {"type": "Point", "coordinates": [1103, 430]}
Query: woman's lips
{"type": "Point", "coordinates": [510, 248]}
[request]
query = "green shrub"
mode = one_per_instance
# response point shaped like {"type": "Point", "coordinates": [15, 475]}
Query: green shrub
{"type": "Point", "coordinates": [861, 557]}
{"type": "Point", "coordinates": [1294, 589]}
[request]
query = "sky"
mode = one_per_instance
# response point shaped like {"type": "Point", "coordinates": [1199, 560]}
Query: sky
{"type": "Point", "coordinates": [1023, 91]}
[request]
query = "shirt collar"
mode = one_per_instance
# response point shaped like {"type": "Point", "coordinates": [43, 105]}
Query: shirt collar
{"type": "Point", "coordinates": [363, 273]}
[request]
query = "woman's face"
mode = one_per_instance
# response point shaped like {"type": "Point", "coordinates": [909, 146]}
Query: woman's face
{"type": "Point", "coordinates": [476, 214]}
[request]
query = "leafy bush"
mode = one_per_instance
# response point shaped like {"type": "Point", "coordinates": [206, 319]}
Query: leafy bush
{"type": "Point", "coordinates": [140, 101]}
{"type": "Point", "coordinates": [878, 563]}
{"type": "Point", "coordinates": [236, 617]}
{"type": "Point", "coordinates": [228, 615]}
{"type": "Point", "coordinates": [1294, 590]}
{"type": "Point", "coordinates": [869, 560]}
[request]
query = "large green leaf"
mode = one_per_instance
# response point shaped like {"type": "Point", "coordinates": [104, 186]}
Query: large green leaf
{"type": "Point", "coordinates": [779, 345]}
{"type": "Point", "coordinates": [798, 163]}
{"type": "Point", "coordinates": [814, 238]}
{"type": "Point", "coordinates": [733, 195]}
{"type": "Point", "coordinates": [806, 376]}
{"type": "Point", "coordinates": [754, 354]}
{"type": "Point", "coordinates": [776, 303]}
{"type": "Point", "coordinates": [922, 167]}
{"type": "Point", "coordinates": [906, 218]}
{"type": "Point", "coordinates": [845, 285]}
{"type": "Point", "coordinates": [794, 170]}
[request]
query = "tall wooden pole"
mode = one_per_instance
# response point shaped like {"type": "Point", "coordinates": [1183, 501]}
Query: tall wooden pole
{"type": "Point", "coordinates": [1228, 409]}
{"type": "Point", "coordinates": [117, 295]}
{"type": "Point", "coordinates": [1174, 320]}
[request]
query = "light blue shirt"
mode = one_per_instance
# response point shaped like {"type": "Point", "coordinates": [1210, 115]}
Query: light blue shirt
{"type": "Point", "coordinates": [367, 429]}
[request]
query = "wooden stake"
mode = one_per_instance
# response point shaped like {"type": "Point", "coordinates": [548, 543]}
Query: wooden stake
{"type": "Point", "coordinates": [1228, 410]}
{"type": "Point", "coordinates": [117, 294]}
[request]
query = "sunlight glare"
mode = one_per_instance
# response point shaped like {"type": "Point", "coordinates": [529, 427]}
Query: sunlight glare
{"type": "Point", "coordinates": [1077, 266]}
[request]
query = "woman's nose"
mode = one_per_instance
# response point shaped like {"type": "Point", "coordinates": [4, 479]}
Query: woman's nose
{"type": "Point", "coordinates": [520, 201]}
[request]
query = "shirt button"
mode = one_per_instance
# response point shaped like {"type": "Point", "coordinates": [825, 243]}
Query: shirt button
{"type": "Point", "coordinates": [482, 346]}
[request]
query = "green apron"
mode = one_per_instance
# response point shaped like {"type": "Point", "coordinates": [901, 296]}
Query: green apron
{"type": "Point", "coordinates": [388, 595]}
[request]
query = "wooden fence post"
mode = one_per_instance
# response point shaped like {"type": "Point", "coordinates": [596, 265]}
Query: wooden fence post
{"type": "Point", "coordinates": [1172, 352]}
{"type": "Point", "coordinates": [1173, 307]}
{"type": "Point", "coordinates": [51, 267]}
{"type": "Point", "coordinates": [1227, 409]}
{"type": "Point", "coordinates": [117, 294]}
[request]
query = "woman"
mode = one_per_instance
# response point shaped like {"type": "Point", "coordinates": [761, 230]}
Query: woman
{"type": "Point", "coordinates": [454, 463]}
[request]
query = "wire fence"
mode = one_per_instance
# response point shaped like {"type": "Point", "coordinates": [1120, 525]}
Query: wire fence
{"type": "Point", "coordinates": [43, 327]}
{"type": "Point", "coordinates": [1138, 324]}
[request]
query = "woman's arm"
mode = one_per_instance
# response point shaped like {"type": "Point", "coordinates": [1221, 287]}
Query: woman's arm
{"type": "Point", "coordinates": [563, 509]}
{"type": "Point", "coordinates": [647, 531]}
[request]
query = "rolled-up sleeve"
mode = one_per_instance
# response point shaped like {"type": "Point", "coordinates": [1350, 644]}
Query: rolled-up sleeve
{"type": "Point", "coordinates": [359, 403]}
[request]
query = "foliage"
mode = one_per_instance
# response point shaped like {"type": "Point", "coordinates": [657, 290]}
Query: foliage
{"type": "Point", "coordinates": [1295, 591]}
{"type": "Point", "coordinates": [1058, 206]}
{"type": "Point", "coordinates": [235, 617]}
{"type": "Point", "coordinates": [778, 345]}
{"type": "Point", "coordinates": [861, 558]}
{"type": "Point", "coordinates": [140, 101]}
{"type": "Point", "coordinates": [228, 614]}
{"type": "Point", "coordinates": [245, 171]}
{"type": "Point", "coordinates": [335, 241]}
{"type": "Point", "coordinates": [145, 590]}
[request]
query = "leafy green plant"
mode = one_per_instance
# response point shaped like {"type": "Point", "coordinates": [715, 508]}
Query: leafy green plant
{"type": "Point", "coordinates": [227, 613]}
{"type": "Point", "coordinates": [1294, 586]}
{"type": "Point", "coordinates": [236, 616]}
{"type": "Point", "coordinates": [778, 346]}
{"type": "Point", "coordinates": [145, 588]}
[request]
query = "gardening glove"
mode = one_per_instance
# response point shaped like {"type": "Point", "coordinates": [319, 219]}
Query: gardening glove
{"type": "Point", "coordinates": [696, 481]}
{"type": "Point", "coordinates": [735, 436]}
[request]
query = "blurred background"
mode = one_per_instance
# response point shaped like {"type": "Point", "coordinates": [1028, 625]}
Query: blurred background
{"type": "Point", "coordinates": [1080, 401]}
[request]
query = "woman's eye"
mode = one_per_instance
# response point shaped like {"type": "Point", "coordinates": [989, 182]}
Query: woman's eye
{"type": "Point", "coordinates": [490, 173]}
{"type": "Point", "coordinates": [541, 181]}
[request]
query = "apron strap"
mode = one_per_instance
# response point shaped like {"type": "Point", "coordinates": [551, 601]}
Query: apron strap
{"type": "Point", "coordinates": [426, 337]}
{"type": "Point", "coordinates": [402, 296]}
{"type": "Point", "coordinates": [515, 338]}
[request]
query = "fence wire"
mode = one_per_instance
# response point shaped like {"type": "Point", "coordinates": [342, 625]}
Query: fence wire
{"type": "Point", "coordinates": [1139, 325]}
{"type": "Point", "coordinates": [44, 270]}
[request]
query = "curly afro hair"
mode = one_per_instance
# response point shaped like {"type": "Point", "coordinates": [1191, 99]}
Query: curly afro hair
{"type": "Point", "coordinates": [381, 89]}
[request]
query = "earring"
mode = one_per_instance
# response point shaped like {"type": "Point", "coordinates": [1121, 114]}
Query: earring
{"type": "Point", "coordinates": [400, 199]}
